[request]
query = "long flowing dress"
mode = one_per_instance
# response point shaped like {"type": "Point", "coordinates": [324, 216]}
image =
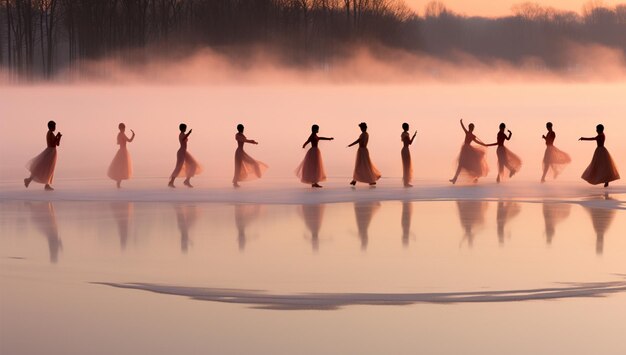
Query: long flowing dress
{"type": "Point", "coordinates": [554, 158]}
{"type": "Point", "coordinates": [472, 159]}
{"type": "Point", "coordinates": [364, 170]}
{"type": "Point", "coordinates": [407, 167]}
{"type": "Point", "coordinates": [506, 158]}
{"type": "Point", "coordinates": [121, 167]}
{"type": "Point", "coordinates": [246, 168]}
{"type": "Point", "coordinates": [602, 169]}
{"type": "Point", "coordinates": [311, 169]}
{"type": "Point", "coordinates": [42, 166]}
{"type": "Point", "coordinates": [186, 165]}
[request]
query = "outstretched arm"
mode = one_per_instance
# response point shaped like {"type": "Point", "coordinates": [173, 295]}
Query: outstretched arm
{"type": "Point", "coordinates": [588, 138]}
{"type": "Point", "coordinates": [355, 142]}
{"type": "Point", "coordinates": [326, 138]}
{"type": "Point", "coordinates": [479, 142]}
{"type": "Point", "coordinates": [251, 141]}
{"type": "Point", "coordinates": [132, 137]}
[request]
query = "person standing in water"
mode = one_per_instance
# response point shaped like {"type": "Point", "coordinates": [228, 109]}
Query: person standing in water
{"type": "Point", "coordinates": [364, 170]}
{"type": "Point", "coordinates": [602, 169]}
{"type": "Point", "coordinates": [471, 159]}
{"type": "Point", "coordinates": [311, 169]}
{"type": "Point", "coordinates": [121, 167]}
{"type": "Point", "coordinates": [246, 168]}
{"type": "Point", "coordinates": [42, 166]}
{"type": "Point", "coordinates": [185, 163]}
{"type": "Point", "coordinates": [407, 168]}
{"type": "Point", "coordinates": [553, 158]}
{"type": "Point", "coordinates": [506, 158]}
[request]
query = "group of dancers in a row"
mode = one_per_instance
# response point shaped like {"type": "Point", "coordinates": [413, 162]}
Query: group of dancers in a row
{"type": "Point", "coordinates": [471, 161]}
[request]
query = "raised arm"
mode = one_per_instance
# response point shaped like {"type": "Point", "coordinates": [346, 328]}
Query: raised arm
{"type": "Point", "coordinates": [131, 137]}
{"type": "Point", "coordinates": [413, 138]}
{"type": "Point", "coordinates": [508, 138]}
{"type": "Point", "coordinates": [58, 138]}
{"type": "Point", "coordinates": [463, 126]}
{"type": "Point", "coordinates": [188, 133]}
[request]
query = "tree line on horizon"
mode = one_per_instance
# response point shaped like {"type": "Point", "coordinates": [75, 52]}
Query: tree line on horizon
{"type": "Point", "coordinates": [39, 38]}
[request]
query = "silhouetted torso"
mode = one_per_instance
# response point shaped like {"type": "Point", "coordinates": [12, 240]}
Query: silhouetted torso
{"type": "Point", "coordinates": [314, 139]}
{"type": "Point", "coordinates": [600, 139]}
{"type": "Point", "coordinates": [363, 139]}
{"type": "Point", "coordinates": [121, 140]}
{"type": "Point", "coordinates": [550, 138]}
{"type": "Point", "coordinates": [51, 140]}
{"type": "Point", "coordinates": [406, 139]}
{"type": "Point", "coordinates": [501, 139]}
{"type": "Point", "coordinates": [241, 139]}
{"type": "Point", "coordinates": [469, 138]}
{"type": "Point", "coordinates": [182, 138]}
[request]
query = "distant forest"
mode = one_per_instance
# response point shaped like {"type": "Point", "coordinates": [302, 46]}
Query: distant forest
{"type": "Point", "coordinates": [39, 38]}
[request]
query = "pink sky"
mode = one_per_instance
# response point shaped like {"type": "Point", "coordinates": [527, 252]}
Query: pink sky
{"type": "Point", "coordinates": [502, 7]}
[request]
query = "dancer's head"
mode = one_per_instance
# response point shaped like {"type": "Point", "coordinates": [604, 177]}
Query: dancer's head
{"type": "Point", "coordinates": [600, 128]}
{"type": "Point", "coordinates": [52, 125]}
{"type": "Point", "coordinates": [363, 126]}
{"type": "Point", "coordinates": [315, 128]}
{"type": "Point", "coordinates": [182, 127]}
{"type": "Point", "coordinates": [502, 126]}
{"type": "Point", "coordinates": [122, 127]}
{"type": "Point", "coordinates": [405, 126]}
{"type": "Point", "coordinates": [549, 126]}
{"type": "Point", "coordinates": [240, 128]}
{"type": "Point", "coordinates": [471, 127]}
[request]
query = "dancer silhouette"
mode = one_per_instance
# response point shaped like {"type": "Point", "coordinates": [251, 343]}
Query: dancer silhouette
{"type": "Point", "coordinates": [42, 166]}
{"type": "Point", "coordinates": [311, 169]}
{"type": "Point", "coordinates": [471, 159]}
{"type": "Point", "coordinates": [602, 169]}
{"type": "Point", "coordinates": [121, 167]}
{"type": "Point", "coordinates": [407, 168]}
{"type": "Point", "coordinates": [246, 168]}
{"type": "Point", "coordinates": [553, 158]}
{"type": "Point", "coordinates": [185, 163]}
{"type": "Point", "coordinates": [364, 170]}
{"type": "Point", "coordinates": [506, 158]}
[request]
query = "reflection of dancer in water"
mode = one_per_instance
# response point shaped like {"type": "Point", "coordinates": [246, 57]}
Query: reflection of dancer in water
{"type": "Point", "coordinates": [312, 215]}
{"type": "Point", "coordinates": [364, 169]}
{"type": "Point", "coordinates": [506, 211]}
{"type": "Point", "coordinates": [246, 168]}
{"type": "Point", "coordinates": [506, 158]}
{"type": "Point", "coordinates": [364, 212]}
{"type": "Point", "coordinates": [121, 167]}
{"type": "Point", "coordinates": [553, 158]}
{"type": "Point", "coordinates": [185, 163]}
{"type": "Point", "coordinates": [42, 166]}
{"type": "Point", "coordinates": [601, 218]}
{"type": "Point", "coordinates": [311, 170]}
{"type": "Point", "coordinates": [602, 169]}
{"type": "Point", "coordinates": [186, 216]}
{"type": "Point", "coordinates": [244, 215]}
{"type": "Point", "coordinates": [122, 212]}
{"type": "Point", "coordinates": [407, 212]}
{"type": "Point", "coordinates": [472, 216]}
{"type": "Point", "coordinates": [407, 168]}
{"type": "Point", "coordinates": [471, 159]}
{"type": "Point", "coordinates": [45, 220]}
{"type": "Point", "coordinates": [554, 213]}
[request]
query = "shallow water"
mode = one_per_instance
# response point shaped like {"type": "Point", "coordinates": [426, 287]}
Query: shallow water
{"type": "Point", "coordinates": [325, 275]}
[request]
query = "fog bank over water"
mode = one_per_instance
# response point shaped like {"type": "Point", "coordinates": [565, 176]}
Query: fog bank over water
{"type": "Point", "coordinates": [279, 116]}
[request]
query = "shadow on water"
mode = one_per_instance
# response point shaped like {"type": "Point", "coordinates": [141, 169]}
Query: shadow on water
{"type": "Point", "coordinates": [472, 216]}
{"type": "Point", "coordinates": [601, 218]}
{"type": "Point", "coordinates": [332, 301]}
{"type": "Point", "coordinates": [364, 212]}
{"type": "Point", "coordinates": [405, 222]}
{"type": "Point", "coordinates": [507, 210]}
{"type": "Point", "coordinates": [553, 214]}
{"type": "Point", "coordinates": [123, 214]}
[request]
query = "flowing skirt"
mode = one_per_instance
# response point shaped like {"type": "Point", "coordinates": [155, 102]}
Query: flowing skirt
{"type": "Point", "coordinates": [364, 170]}
{"type": "Point", "coordinates": [601, 169]}
{"type": "Point", "coordinates": [311, 170]}
{"type": "Point", "coordinates": [508, 159]}
{"type": "Point", "coordinates": [121, 167]}
{"type": "Point", "coordinates": [246, 168]}
{"type": "Point", "coordinates": [407, 167]}
{"type": "Point", "coordinates": [42, 166]}
{"type": "Point", "coordinates": [472, 161]}
{"type": "Point", "coordinates": [556, 159]}
{"type": "Point", "coordinates": [186, 165]}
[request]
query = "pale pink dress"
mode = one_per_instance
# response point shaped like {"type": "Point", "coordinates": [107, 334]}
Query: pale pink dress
{"type": "Point", "coordinates": [506, 158]}
{"type": "Point", "coordinates": [602, 169]}
{"type": "Point", "coordinates": [472, 159]}
{"type": "Point", "coordinates": [186, 165]}
{"type": "Point", "coordinates": [42, 166]}
{"type": "Point", "coordinates": [407, 167]}
{"type": "Point", "coordinates": [555, 158]}
{"type": "Point", "coordinates": [311, 169]}
{"type": "Point", "coordinates": [246, 168]}
{"type": "Point", "coordinates": [121, 167]}
{"type": "Point", "coordinates": [364, 170]}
